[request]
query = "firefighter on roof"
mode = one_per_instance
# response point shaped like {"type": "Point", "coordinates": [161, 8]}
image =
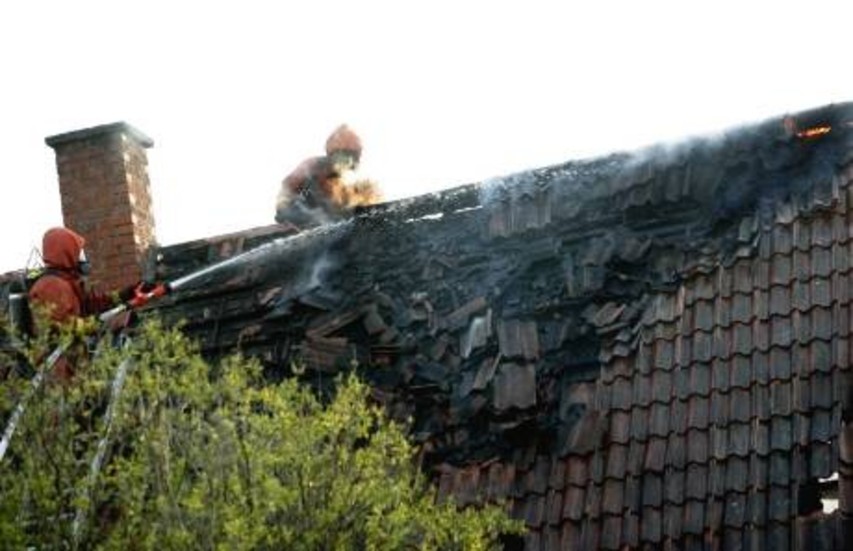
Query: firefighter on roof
{"type": "Point", "coordinates": [321, 189]}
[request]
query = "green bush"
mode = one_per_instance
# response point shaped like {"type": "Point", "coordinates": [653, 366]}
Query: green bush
{"type": "Point", "coordinates": [202, 456]}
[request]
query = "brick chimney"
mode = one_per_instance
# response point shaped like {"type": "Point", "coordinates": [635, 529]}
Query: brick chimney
{"type": "Point", "coordinates": [104, 187]}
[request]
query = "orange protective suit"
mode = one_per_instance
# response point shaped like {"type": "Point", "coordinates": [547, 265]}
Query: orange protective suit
{"type": "Point", "coordinates": [61, 291]}
{"type": "Point", "coordinates": [317, 192]}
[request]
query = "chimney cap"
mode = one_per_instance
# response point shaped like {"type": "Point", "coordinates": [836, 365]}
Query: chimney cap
{"type": "Point", "coordinates": [95, 131]}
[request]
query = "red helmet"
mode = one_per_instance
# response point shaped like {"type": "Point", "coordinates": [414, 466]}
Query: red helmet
{"type": "Point", "coordinates": [343, 139]}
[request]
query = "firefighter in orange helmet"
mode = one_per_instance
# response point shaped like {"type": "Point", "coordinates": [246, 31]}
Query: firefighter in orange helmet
{"type": "Point", "coordinates": [61, 291]}
{"type": "Point", "coordinates": [318, 190]}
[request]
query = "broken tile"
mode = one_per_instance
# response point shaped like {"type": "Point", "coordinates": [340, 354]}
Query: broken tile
{"type": "Point", "coordinates": [515, 387]}
{"type": "Point", "coordinates": [477, 335]}
{"type": "Point", "coordinates": [439, 347]}
{"type": "Point", "coordinates": [607, 314]}
{"type": "Point", "coordinates": [459, 318]}
{"type": "Point", "coordinates": [518, 339]}
{"type": "Point", "coordinates": [326, 325]}
{"type": "Point", "coordinates": [325, 354]}
{"type": "Point", "coordinates": [485, 373]}
{"type": "Point", "coordinates": [586, 435]}
{"type": "Point", "coordinates": [373, 322]}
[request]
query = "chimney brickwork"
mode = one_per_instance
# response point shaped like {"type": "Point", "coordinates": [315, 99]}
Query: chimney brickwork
{"type": "Point", "coordinates": [106, 198]}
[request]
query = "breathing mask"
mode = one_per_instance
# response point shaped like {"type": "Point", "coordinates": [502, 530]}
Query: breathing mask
{"type": "Point", "coordinates": [83, 263]}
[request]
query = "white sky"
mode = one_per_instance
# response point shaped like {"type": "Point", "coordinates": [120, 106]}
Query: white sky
{"type": "Point", "coordinates": [236, 94]}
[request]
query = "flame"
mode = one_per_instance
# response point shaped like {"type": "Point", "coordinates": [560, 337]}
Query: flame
{"type": "Point", "coordinates": [814, 132]}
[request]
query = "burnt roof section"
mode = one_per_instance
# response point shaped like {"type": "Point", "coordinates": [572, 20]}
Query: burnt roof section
{"type": "Point", "coordinates": [644, 349]}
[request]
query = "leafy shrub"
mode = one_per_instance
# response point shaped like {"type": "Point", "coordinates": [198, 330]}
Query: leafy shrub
{"type": "Point", "coordinates": [201, 456]}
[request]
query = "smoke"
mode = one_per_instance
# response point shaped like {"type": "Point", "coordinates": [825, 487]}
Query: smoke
{"type": "Point", "coordinates": [348, 192]}
{"type": "Point", "coordinates": [320, 270]}
{"type": "Point", "coordinates": [333, 200]}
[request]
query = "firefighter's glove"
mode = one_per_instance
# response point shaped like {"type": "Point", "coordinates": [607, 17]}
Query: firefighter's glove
{"type": "Point", "coordinates": [139, 294]}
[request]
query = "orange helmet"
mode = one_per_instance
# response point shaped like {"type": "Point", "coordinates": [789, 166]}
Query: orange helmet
{"type": "Point", "coordinates": [62, 248]}
{"type": "Point", "coordinates": [343, 139]}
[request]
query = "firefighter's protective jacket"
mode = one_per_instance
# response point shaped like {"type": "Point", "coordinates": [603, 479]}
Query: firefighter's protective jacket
{"type": "Point", "coordinates": [61, 291]}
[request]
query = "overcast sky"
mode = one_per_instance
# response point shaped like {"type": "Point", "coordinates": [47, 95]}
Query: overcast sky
{"type": "Point", "coordinates": [236, 94]}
